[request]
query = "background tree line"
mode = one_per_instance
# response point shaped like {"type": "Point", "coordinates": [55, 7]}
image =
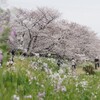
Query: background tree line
{"type": "Point", "coordinates": [43, 31]}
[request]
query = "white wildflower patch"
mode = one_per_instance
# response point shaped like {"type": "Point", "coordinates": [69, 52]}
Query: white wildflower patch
{"type": "Point", "coordinates": [61, 71]}
{"type": "Point", "coordinates": [84, 84]}
{"type": "Point", "coordinates": [45, 65]}
{"type": "Point", "coordinates": [55, 76]}
{"type": "Point", "coordinates": [34, 65]}
{"type": "Point", "coordinates": [12, 69]}
{"type": "Point", "coordinates": [52, 60]}
{"type": "Point", "coordinates": [10, 63]}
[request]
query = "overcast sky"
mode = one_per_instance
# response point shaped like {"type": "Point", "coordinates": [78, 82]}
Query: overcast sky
{"type": "Point", "coordinates": [84, 12]}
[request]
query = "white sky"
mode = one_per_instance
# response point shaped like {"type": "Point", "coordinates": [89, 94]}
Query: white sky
{"type": "Point", "coordinates": [84, 12]}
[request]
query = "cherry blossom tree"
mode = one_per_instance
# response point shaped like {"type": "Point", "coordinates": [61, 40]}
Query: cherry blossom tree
{"type": "Point", "coordinates": [32, 27]}
{"type": "Point", "coordinates": [76, 39]}
{"type": "Point", "coordinates": [42, 30]}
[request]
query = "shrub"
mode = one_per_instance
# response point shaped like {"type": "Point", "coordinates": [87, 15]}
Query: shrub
{"type": "Point", "coordinates": [88, 68]}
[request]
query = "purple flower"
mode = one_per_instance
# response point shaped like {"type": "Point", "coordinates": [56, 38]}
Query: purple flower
{"type": "Point", "coordinates": [13, 33]}
{"type": "Point", "coordinates": [1, 29]}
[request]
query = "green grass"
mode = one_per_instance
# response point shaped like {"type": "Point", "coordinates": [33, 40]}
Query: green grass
{"type": "Point", "coordinates": [22, 80]}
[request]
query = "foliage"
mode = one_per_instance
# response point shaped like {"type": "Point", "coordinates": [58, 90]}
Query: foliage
{"type": "Point", "coordinates": [4, 32]}
{"type": "Point", "coordinates": [4, 35]}
{"type": "Point", "coordinates": [88, 67]}
{"type": "Point", "coordinates": [3, 43]}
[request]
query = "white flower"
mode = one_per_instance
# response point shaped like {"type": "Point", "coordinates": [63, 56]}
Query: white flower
{"type": "Point", "coordinates": [29, 96]}
{"type": "Point", "coordinates": [37, 83]}
{"type": "Point", "coordinates": [40, 99]}
{"type": "Point", "coordinates": [95, 96]}
{"type": "Point", "coordinates": [45, 65]}
{"type": "Point", "coordinates": [60, 80]}
{"type": "Point", "coordinates": [42, 86]}
{"type": "Point", "coordinates": [10, 63]}
{"type": "Point", "coordinates": [50, 71]}
{"type": "Point", "coordinates": [84, 83]}
{"type": "Point", "coordinates": [61, 71]}
{"type": "Point", "coordinates": [34, 65]}
{"type": "Point", "coordinates": [46, 70]}
{"type": "Point", "coordinates": [39, 61]}
{"type": "Point", "coordinates": [0, 65]}
{"type": "Point", "coordinates": [41, 95]}
{"type": "Point", "coordinates": [63, 89]}
{"type": "Point", "coordinates": [49, 54]}
{"type": "Point", "coordinates": [36, 54]}
{"type": "Point", "coordinates": [34, 78]}
{"type": "Point", "coordinates": [13, 68]}
{"type": "Point", "coordinates": [15, 97]}
{"type": "Point", "coordinates": [64, 77]}
{"type": "Point", "coordinates": [52, 60]}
